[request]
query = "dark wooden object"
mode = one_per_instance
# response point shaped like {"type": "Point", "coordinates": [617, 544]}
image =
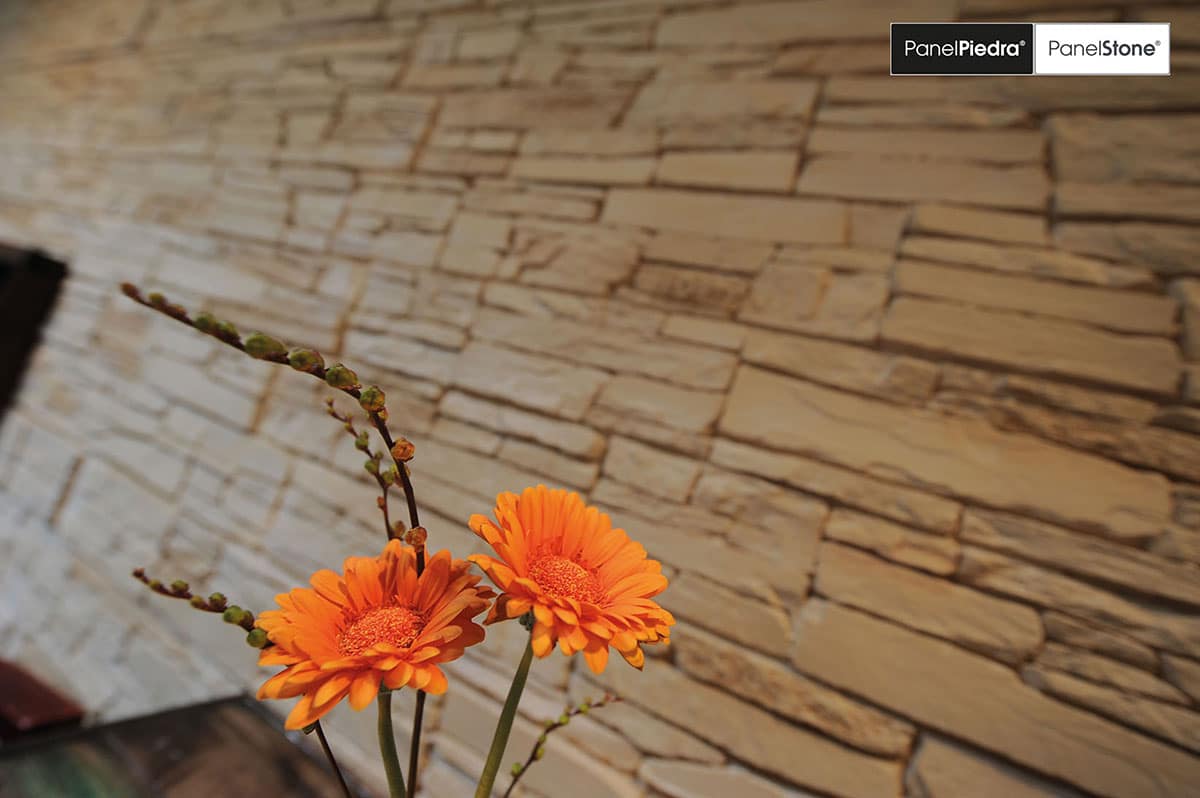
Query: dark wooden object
{"type": "Point", "coordinates": [225, 749]}
{"type": "Point", "coordinates": [29, 706]}
{"type": "Point", "coordinates": [29, 284]}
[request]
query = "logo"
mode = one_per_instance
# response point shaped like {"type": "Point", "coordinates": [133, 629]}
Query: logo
{"type": "Point", "coordinates": [1031, 48]}
{"type": "Point", "coordinates": [1107, 48]}
{"type": "Point", "coordinates": [962, 48]}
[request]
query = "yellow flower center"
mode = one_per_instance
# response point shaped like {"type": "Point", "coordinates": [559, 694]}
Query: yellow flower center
{"type": "Point", "coordinates": [565, 578]}
{"type": "Point", "coordinates": [396, 625]}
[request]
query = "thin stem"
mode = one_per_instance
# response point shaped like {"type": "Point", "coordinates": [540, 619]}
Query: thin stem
{"type": "Point", "coordinates": [535, 753]}
{"type": "Point", "coordinates": [387, 748]}
{"type": "Point", "coordinates": [414, 750]}
{"type": "Point", "coordinates": [333, 762]}
{"type": "Point", "coordinates": [504, 726]}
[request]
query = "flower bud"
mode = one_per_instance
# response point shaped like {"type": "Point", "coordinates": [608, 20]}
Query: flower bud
{"type": "Point", "coordinates": [540, 752]}
{"type": "Point", "coordinates": [403, 450]}
{"type": "Point", "coordinates": [130, 290]}
{"type": "Point", "coordinates": [516, 769]}
{"type": "Point", "coordinates": [157, 299]}
{"type": "Point", "coordinates": [217, 601]}
{"type": "Point", "coordinates": [372, 399]}
{"type": "Point", "coordinates": [198, 602]}
{"type": "Point", "coordinates": [372, 467]}
{"type": "Point", "coordinates": [227, 332]}
{"type": "Point", "coordinates": [257, 638]}
{"type": "Point", "coordinates": [234, 615]}
{"type": "Point", "coordinates": [264, 347]}
{"type": "Point", "coordinates": [564, 719]}
{"type": "Point", "coordinates": [416, 537]}
{"type": "Point", "coordinates": [338, 376]}
{"type": "Point", "coordinates": [154, 584]}
{"type": "Point", "coordinates": [306, 360]}
{"type": "Point", "coordinates": [206, 323]}
{"type": "Point", "coordinates": [179, 586]}
{"type": "Point", "coordinates": [388, 475]}
{"type": "Point", "coordinates": [362, 441]}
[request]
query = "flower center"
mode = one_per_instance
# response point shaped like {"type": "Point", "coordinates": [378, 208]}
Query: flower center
{"type": "Point", "coordinates": [396, 625]}
{"type": "Point", "coordinates": [565, 578]}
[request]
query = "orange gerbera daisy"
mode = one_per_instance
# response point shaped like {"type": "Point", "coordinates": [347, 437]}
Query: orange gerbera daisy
{"type": "Point", "coordinates": [378, 622]}
{"type": "Point", "coordinates": [588, 585]}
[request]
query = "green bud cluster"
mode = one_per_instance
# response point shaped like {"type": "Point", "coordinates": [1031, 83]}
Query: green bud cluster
{"type": "Point", "coordinates": [306, 360]}
{"type": "Point", "coordinates": [372, 399]}
{"type": "Point", "coordinates": [264, 347]}
{"type": "Point", "coordinates": [338, 376]}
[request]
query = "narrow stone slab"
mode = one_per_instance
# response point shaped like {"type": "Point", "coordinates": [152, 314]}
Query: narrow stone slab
{"type": "Point", "coordinates": [754, 218]}
{"type": "Point", "coordinates": [968, 696]}
{"type": "Point", "coordinates": [945, 769]}
{"type": "Point", "coordinates": [936, 554]}
{"type": "Point", "coordinates": [950, 455]}
{"type": "Point", "coordinates": [817, 300]}
{"type": "Point", "coordinates": [1167, 249]}
{"type": "Point", "coordinates": [754, 735]}
{"type": "Point", "coordinates": [902, 180]}
{"type": "Point", "coordinates": [1044, 345]}
{"type": "Point", "coordinates": [966, 222]}
{"type": "Point", "coordinates": [665, 101]}
{"type": "Point", "coordinates": [736, 171]}
{"type": "Point", "coordinates": [938, 144]}
{"type": "Point", "coordinates": [528, 380]}
{"type": "Point", "coordinates": [570, 169]}
{"type": "Point", "coordinates": [1083, 555]}
{"type": "Point", "coordinates": [1127, 311]}
{"type": "Point", "coordinates": [1001, 629]}
{"type": "Point", "coordinates": [1162, 628]}
{"type": "Point", "coordinates": [1034, 261]}
{"type": "Point", "coordinates": [1093, 148]}
{"type": "Point", "coordinates": [555, 107]}
{"type": "Point", "coordinates": [857, 490]}
{"type": "Point", "coordinates": [1171, 723]}
{"type": "Point", "coordinates": [775, 686]}
{"type": "Point", "coordinates": [776, 23]}
{"type": "Point", "coordinates": [897, 378]}
{"type": "Point", "coordinates": [610, 348]}
{"type": "Point", "coordinates": [1156, 202]}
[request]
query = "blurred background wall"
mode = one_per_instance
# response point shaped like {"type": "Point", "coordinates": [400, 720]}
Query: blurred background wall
{"type": "Point", "coordinates": [895, 375]}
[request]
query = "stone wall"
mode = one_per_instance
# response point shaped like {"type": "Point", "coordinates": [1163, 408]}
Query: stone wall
{"type": "Point", "coordinates": [897, 376]}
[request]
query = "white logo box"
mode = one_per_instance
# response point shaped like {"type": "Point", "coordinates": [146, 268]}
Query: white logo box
{"type": "Point", "coordinates": [1102, 48]}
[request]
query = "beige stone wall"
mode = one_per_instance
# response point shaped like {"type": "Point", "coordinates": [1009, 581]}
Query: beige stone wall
{"type": "Point", "coordinates": [896, 376]}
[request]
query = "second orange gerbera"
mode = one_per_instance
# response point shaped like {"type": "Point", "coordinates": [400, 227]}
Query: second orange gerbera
{"type": "Point", "coordinates": [588, 585]}
{"type": "Point", "coordinates": [377, 623]}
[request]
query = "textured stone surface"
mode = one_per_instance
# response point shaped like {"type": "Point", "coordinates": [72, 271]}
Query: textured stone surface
{"type": "Point", "coordinates": [932, 553]}
{"type": "Point", "coordinates": [945, 769]}
{"type": "Point", "coordinates": [1125, 311]}
{"type": "Point", "coordinates": [1083, 555]}
{"type": "Point", "coordinates": [959, 456]}
{"type": "Point", "coordinates": [814, 335]}
{"type": "Point", "coordinates": [1001, 629]}
{"type": "Point", "coordinates": [754, 218]}
{"type": "Point", "coordinates": [757, 736]}
{"type": "Point", "coordinates": [772, 685]}
{"type": "Point", "coordinates": [1016, 341]}
{"type": "Point", "coordinates": [967, 696]}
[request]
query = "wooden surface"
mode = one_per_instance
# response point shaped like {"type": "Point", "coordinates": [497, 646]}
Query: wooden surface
{"type": "Point", "coordinates": [225, 749]}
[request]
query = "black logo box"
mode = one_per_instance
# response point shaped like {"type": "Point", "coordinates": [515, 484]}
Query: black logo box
{"type": "Point", "coordinates": [937, 48]}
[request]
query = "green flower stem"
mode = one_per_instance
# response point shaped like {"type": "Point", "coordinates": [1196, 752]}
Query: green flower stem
{"type": "Point", "coordinates": [504, 726]}
{"type": "Point", "coordinates": [387, 748]}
